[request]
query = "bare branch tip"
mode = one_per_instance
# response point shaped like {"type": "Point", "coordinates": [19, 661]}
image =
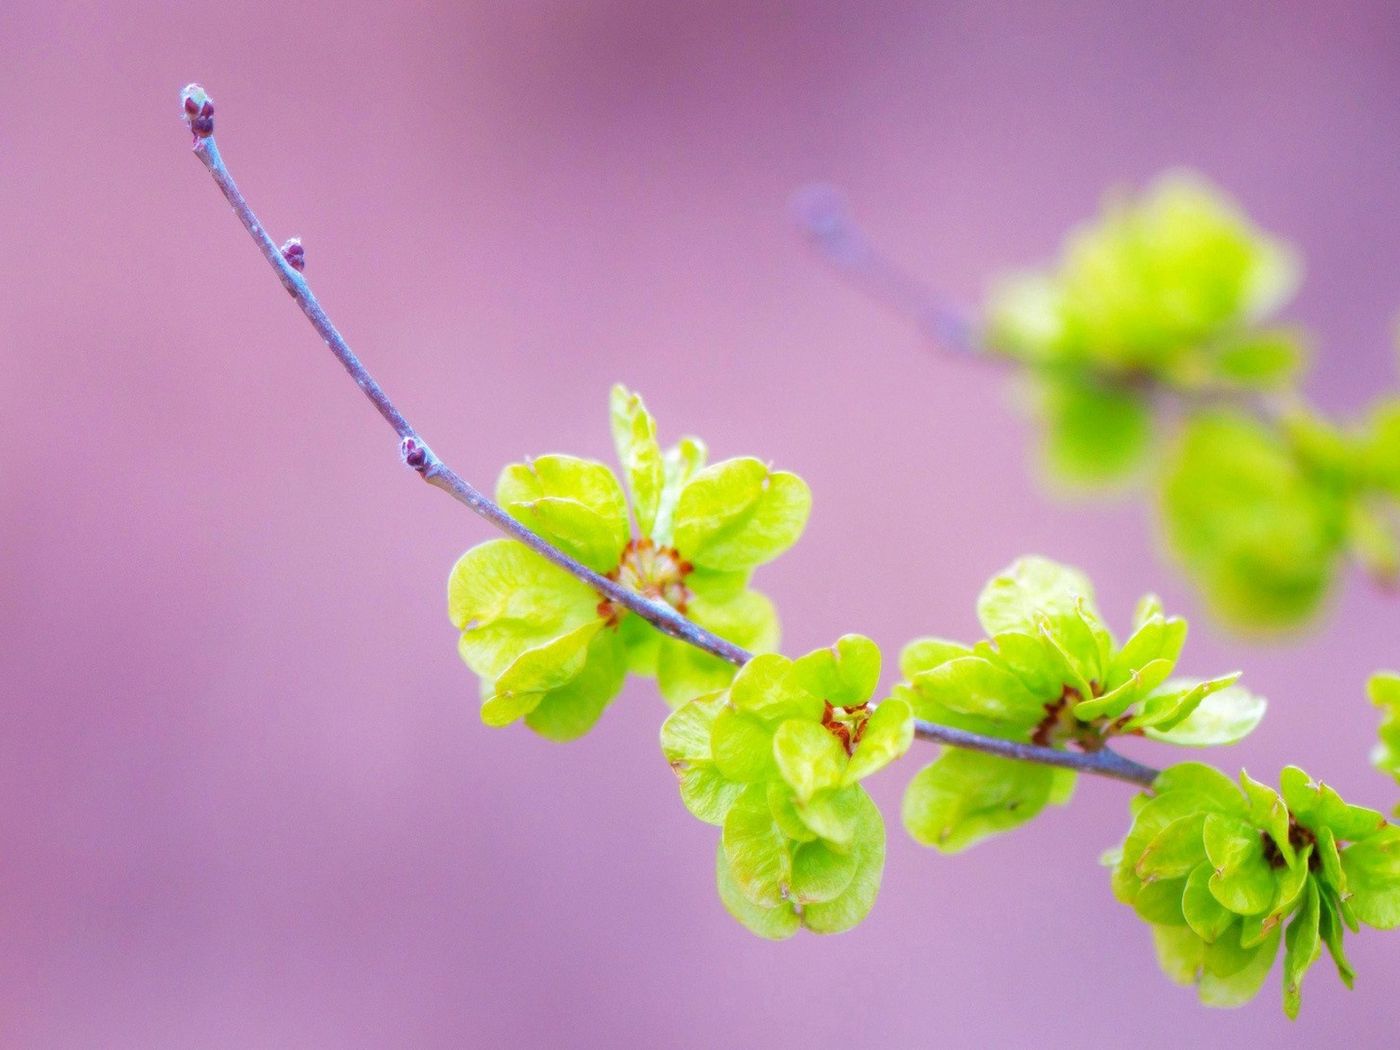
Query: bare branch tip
{"type": "Point", "coordinates": [198, 110]}
{"type": "Point", "coordinates": [820, 210]}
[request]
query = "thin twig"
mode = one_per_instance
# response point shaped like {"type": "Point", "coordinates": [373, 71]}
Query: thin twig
{"type": "Point", "coordinates": [1105, 762]}
{"type": "Point", "coordinates": [420, 457]}
{"type": "Point", "coordinates": [822, 214]}
{"type": "Point", "coordinates": [824, 218]}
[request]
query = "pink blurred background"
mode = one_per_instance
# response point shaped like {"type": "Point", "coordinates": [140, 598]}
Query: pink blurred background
{"type": "Point", "coordinates": [245, 799]}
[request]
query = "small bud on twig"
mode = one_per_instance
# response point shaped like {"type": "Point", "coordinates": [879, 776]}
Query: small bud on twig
{"type": "Point", "coordinates": [199, 111]}
{"type": "Point", "coordinates": [295, 254]}
{"type": "Point", "coordinates": [415, 454]}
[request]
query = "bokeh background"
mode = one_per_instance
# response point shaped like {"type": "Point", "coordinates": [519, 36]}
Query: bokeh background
{"type": "Point", "coordinates": [245, 800]}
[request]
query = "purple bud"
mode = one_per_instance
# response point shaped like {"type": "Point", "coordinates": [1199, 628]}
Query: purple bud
{"type": "Point", "coordinates": [199, 110]}
{"type": "Point", "coordinates": [295, 254]}
{"type": "Point", "coordinates": [415, 453]}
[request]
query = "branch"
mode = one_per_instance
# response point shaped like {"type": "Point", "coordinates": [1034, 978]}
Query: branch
{"type": "Point", "coordinates": [822, 214]}
{"type": "Point", "coordinates": [288, 262]}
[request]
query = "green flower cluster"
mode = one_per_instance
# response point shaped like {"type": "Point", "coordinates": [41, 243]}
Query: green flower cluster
{"type": "Point", "coordinates": [1384, 690]}
{"type": "Point", "coordinates": [544, 646]}
{"type": "Point", "coordinates": [776, 762]}
{"type": "Point", "coordinates": [1167, 293]}
{"type": "Point", "coordinates": [1049, 673]}
{"type": "Point", "coordinates": [1225, 873]}
{"type": "Point", "coordinates": [1167, 290]}
{"type": "Point", "coordinates": [1261, 516]}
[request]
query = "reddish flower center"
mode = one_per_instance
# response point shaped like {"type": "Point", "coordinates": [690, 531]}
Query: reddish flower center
{"type": "Point", "coordinates": [654, 572]}
{"type": "Point", "coordinates": [846, 724]}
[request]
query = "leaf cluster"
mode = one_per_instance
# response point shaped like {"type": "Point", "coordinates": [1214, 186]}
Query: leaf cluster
{"type": "Point", "coordinates": [776, 761]}
{"type": "Point", "coordinates": [1050, 672]}
{"type": "Point", "coordinates": [1225, 873]}
{"type": "Point", "coordinates": [1384, 690]}
{"type": "Point", "coordinates": [1171, 296]}
{"type": "Point", "coordinates": [546, 650]}
{"type": "Point", "coordinates": [1168, 290]}
{"type": "Point", "coordinates": [1263, 515]}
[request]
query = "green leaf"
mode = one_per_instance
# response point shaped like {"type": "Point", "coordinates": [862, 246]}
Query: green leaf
{"type": "Point", "coordinates": [571, 710]}
{"type": "Point", "coordinates": [1384, 691]}
{"type": "Point", "coordinates": [1373, 539]}
{"type": "Point", "coordinates": [641, 643]}
{"type": "Point", "coordinates": [889, 732]}
{"type": "Point", "coordinates": [1095, 432]}
{"type": "Point", "coordinates": [743, 746]}
{"type": "Point", "coordinates": [1268, 812]}
{"type": "Point", "coordinates": [1224, 717]}
{"type": "Point", "coordinates": [634, 435]}
{"type": "Point", "coordinates": [1233, 975]}
{"type": "Point", "coordinates": [1075, 657]}
{"type": "Point", "coordinates": [680, 463]}
{"type": "Point", "coordinates": [819, 873]}
{"type": "Point", "coordinates": [1113, 703]}
{"type": "Point", "coordinates": [1381, 449]}
{"type": "Point", "coordinates": [748, 620]}
{"type": "Point", "coordinates": [1173, 702]}
{"type": "Point", "coordinates": [924, 654]}
{"type": "Point", "coordinates": [1330, 859]}
{"type": "Point", "coordinates": [707, 792]}
{"type": "Point", "coordinates": [1206, 916]}
{"type": "Point", "coordinates": [1148, 607]}
{"type": "Point", "coordinates": [1176, 850]}
{"type": "Point", "coordinates": [575, 503]}
{"type": "Point", "coordinates": [737, 514]}
{"type": "Point", "coordinates": [1041, 666]}
{"type": "Point", "coordinates": [775, 924]}
{"type": "Point", "coordinates": [845, 674]}
{"type": "Point", "coordinates": [1256, 531]}
{"type": "Point", "coordinates": [1243, 880]}
{"type": "Point", "coordinates": [1226, 974]}
{"type": "Point", "coordinates": [784, 809]}
{"type": "Point", "coordinates": [766, 688]}
{"type": "Point", "coordinates": [964, 797]}
{"type": "Point", "coordinates": [685, 741]}
{"type": "Point", "coordinates": [1180, 953]}
{"type": "Point", "coordinates": [1330, 929]}
{"type": "Point", "coordinates": [1213, 789]}
{"type": "Point", "coordinates": [974, 686]}
{"type": "Point", "coordinates": [1153, 816]}
{"type": "Point", "coordinates": [809, 757]}
{"type": "Point", "coordinates": [523, 685]}
{"type": "Point", "coordinates": [1155, 288]}
{"type": "Point", "coordinates": [1316, 805]}
{"type": "Point", "coordinates": [1372, 870]}
{"type": "Point", "coordinates": [855, 901]}
{"type": "Point", "coordinates": [685, 735]}
{"type": "Point", "coordinates": [1153, 639]}
{"type": "Point", "coordinates": [505, 599]}
{"type": "Point", "coordinates": [1261, 359]}
{"type": "Point", "coordinates": [1159, 902]}
{"type": "Point", "coordinates": [1302, 946]}
{"type": "Point", "coordinates": [834, 814]}
{"type": "Point", "coordinates": [759, 859]}
{"type": "Point", "coordinates": [1031, 590]}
